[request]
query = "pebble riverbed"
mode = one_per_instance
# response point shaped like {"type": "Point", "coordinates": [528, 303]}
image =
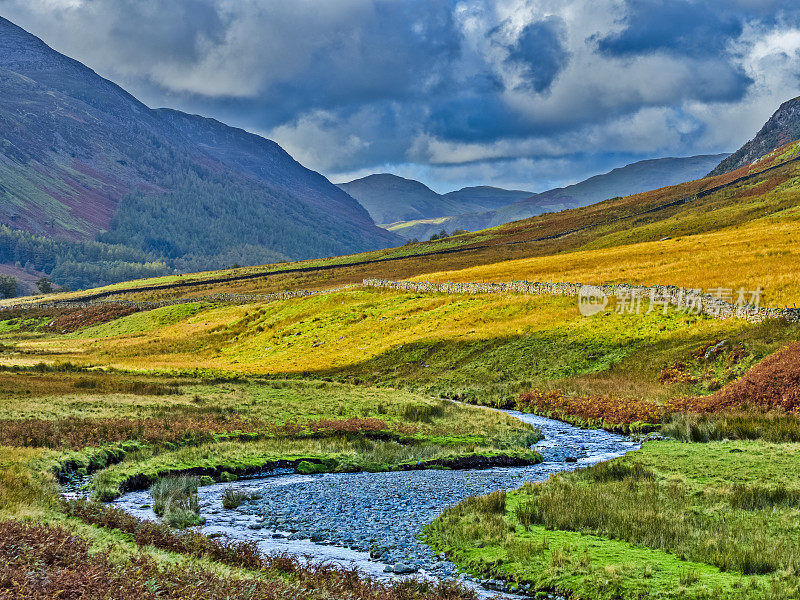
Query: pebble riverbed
{"type": "Point", "coordinates": [372, 521]}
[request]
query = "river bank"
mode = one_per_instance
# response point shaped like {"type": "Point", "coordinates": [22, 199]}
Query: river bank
{"type": "Point", "coordinates": [372, 521]}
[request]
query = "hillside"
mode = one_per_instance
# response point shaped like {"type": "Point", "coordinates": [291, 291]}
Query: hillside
{"type": "Point", "coordinates": [83, 161]}
{"type": "Point", "coordinates": [391, 199]}
{"type": "Point", "coordinates": [635, 178]}
{"type": "Point", "coordinates": [782, 127]}
{"type": "Point", "coordinates": [487, 197]}
{"type": "Point", "coordinates": [751, 211]}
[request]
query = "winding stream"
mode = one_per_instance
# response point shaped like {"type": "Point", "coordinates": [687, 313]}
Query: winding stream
{"type": "Point", "coordinates": [370, 521]}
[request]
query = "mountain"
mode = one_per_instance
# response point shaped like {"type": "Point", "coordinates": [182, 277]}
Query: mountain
{"type": "Point", "coordinates": [781, 128]}
{"type": "Point", "coordinates": [390, 198]}
{"type": "Point", "coordinates": [487, 197]}
{"type": "Point", "coordinates": [93, 182]}
{"type": "Point", "coordinates": [634, 178]}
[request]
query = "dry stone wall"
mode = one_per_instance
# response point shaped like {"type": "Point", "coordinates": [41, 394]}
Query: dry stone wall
{"type": "Point", "coordinates": [659, 295]}
{"type": "Point", "coordinates": [151, 304]}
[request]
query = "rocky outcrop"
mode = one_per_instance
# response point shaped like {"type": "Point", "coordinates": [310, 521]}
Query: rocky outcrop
{"type": "Point", "coordinates": [783, 127]}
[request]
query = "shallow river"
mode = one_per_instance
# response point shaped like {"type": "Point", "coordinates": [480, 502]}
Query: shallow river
{"type": "Point", "coordinates": [371, 521]}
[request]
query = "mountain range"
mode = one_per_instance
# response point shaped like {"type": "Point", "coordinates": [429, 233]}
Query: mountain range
{"type": "Point", "coordinates": [390, 198]}
{"type": "Point", "coordinates": [412, 210]}
{"type": "Point", "coordinates": [96, 187]}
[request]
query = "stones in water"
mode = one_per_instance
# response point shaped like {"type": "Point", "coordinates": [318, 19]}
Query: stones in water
{"type": "Point", "coordinates": [402, 569]}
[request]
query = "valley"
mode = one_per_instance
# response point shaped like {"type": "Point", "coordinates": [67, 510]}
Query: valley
{"type": "Point", "coordinates": [225, 377]}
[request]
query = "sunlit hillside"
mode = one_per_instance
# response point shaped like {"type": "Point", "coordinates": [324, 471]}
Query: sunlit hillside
{"type": "Point", "coordinates": [756, 205]}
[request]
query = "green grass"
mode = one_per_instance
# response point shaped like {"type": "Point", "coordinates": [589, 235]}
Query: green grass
{"type": "Point", "coordinates": [270, 401]}
{"type": "Point", "coordinates": [774, 426]}
{"type": "Point", "coordinates": [673, 520]}
{"type": "Point", "coordinates": [143, 321]}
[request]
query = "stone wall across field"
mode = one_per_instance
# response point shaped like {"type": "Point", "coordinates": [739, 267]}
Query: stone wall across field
{"type": "Point", "coordinates": [627, 296]}
{"type": "Point", "coordinates": [659, 296]}
{"type": "Point", "coordinates": [151, 304]}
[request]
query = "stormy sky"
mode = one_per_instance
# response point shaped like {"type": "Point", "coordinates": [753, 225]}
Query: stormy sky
{"type": "Point", "coordinates": [525, 94]}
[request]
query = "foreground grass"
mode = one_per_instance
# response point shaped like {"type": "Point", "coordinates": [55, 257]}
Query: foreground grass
{"type": "Point", "coordinates": [82, 550]}
{"type": "Point", "coordinates": [673, 520]}
{"type": "Point", "coordinates": [45, 553]}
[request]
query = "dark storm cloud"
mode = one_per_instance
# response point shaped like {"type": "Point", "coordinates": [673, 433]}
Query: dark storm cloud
{"type": "Point", "coordinates": [691, 29]}
{"type": "Point", "coordinates": [686, 27]}
{"type": "Point", "coordinates": [361, 84]}
{"type": "Point", "coordinates": [540, 50]}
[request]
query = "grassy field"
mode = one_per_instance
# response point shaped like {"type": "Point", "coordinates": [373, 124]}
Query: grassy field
{"type": "Point", "coordinates": [483, 348]}
{"type": "Point", "coordinates": [673, 520]}
{"type": "Point", "coordinates": [174, 424]}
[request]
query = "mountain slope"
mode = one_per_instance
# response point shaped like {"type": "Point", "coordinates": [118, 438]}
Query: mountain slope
{"type": "Point", "coordinates": [635, 178]}
{"type": "Point", "coordinates": [487, 197]}
{"type": "Point", "coordinates": [81, 159]}
{"type": "Point", "coordinates": [782, 127]}
{"type": "Point", "coordinates": [709, 232]}
{"type": "Point", "coordinates": [391, 198]}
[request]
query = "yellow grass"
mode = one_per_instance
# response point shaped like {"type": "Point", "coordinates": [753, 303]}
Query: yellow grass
{"type": "Point", "coordinates": [341, 330]}
{"type": "Point", "coordinates": [25, 480]}
{"type": "Point", "coordinates": [763, 253]}
{"type": "Point", "coordinates": [312, 333]}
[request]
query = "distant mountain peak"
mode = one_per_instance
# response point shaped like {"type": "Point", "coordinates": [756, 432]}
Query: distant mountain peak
{"type": "Point", "coordinates": [630, 179]}
{"type": "Point", "coordinates": [391, 199]}
{"type": "Point", "coordinates": [781, 128]}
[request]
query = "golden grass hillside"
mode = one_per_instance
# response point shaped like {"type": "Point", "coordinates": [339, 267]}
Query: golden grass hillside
{"type": "Point", "coordinates": [764, 253]}
{"type": "Point", "coordinates": [485, 348]}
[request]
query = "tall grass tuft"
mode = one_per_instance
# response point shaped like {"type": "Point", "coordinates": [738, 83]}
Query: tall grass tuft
{"type": "Point", "coordinates": [774, 426]}
{"type": "Point", "coordinates": [233, 498]}
{"type": "Point", "coordinates": [175, 500]}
